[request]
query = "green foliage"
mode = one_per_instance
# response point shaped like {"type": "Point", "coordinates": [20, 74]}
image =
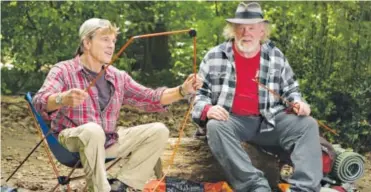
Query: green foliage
{"type": "Point", "coordinates": [326, 43]}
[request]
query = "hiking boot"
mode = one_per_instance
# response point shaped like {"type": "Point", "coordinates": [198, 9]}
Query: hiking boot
{"type": "Point", "coordinates": [119, 186]}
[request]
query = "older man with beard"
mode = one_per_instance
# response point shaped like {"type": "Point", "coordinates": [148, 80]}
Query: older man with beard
{"type": "Point", "coordinates": [234, 109]}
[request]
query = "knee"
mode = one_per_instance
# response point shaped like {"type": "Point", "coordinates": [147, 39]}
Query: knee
{"type": "Point", "coordinates": [212, 128]}
{"type": "Point", "coordinates": [161, 131]}
{"type": "Point", "coordinates": [95, 132]}
{"type": "Point", "coordinates": [311, 125]}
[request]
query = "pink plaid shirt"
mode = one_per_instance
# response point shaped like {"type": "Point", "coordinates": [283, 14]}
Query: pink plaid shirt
{"type": "Point", "coordinates": [70, 74]}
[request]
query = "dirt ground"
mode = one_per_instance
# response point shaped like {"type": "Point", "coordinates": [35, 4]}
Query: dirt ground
{"type": "Point", "coordinates": [19, 136]}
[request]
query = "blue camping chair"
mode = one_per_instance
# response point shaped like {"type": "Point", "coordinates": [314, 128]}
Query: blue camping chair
{"type": "Point", "coordinates": [64, 156]}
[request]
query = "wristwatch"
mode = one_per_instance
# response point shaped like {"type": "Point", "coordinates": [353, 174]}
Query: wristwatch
{"type": "Point", "coordinates": [181, 91]}
{"type": "Point", "coordinates": [58, 99]}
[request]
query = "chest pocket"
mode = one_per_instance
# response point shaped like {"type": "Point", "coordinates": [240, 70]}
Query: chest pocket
{"type": "Point", "coordinates": [217, 78]}
{"type": "Point", "coordinates": [274, 76]}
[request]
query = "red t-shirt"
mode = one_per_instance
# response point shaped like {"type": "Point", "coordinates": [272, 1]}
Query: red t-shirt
{"type": "Point", "coordinates": [246, 99]}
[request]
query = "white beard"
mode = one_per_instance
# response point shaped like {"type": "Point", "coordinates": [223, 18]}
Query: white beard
{"type": "Point", "coordinates": [245, 49]}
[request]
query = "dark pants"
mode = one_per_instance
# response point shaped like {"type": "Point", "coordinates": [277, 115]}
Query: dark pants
{"type": "Point", "coordinates": [295, 134]}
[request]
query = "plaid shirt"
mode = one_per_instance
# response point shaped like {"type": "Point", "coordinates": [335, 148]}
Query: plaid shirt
{"type": "Point", "coordinates": [70, 74]}
{"type": "Point", "coordinates": [218, 71]}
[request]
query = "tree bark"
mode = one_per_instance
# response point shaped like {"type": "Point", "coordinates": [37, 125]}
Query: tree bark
{"type": "Point", "coordinates": [194, 161]}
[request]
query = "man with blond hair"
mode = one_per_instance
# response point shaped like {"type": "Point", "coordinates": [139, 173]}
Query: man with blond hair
{"type": "Point", "coordinates": [85, 121]}
{"type": "Point", "coordinates": [234, 108]}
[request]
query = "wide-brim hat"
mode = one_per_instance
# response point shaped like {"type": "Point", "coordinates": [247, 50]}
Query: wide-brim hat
{"type": "Point", "coordinates": [248, 13]}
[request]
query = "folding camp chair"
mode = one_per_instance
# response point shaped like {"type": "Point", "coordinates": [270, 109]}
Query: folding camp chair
{"type": "Point", "coordinates": [63, 156]}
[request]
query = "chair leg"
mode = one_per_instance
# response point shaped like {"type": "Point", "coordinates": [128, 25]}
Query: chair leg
{"type": "Point", "coordinates": [66, 179]}
{"type": "Point", "coordinates": [33, 150]}
{"type": "Point", "coordinates": [157, 169]}
{"type": "Point", "coordinates": [55, 187]}
{"type": "Point", "coordinates": [109, 167]}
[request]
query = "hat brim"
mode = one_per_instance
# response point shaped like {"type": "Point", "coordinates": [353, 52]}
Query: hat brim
{"type": "Point", "coordinates": [245, 21]}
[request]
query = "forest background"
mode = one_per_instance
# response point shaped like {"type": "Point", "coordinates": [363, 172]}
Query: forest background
{"type": "Point", "coordinates": [327, 44]}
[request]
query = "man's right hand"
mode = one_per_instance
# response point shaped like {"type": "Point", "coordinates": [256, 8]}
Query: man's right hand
{"type": "Point", "coordinates": [217, 112]}
{"type": "Point", "coordinates": [74, 97]}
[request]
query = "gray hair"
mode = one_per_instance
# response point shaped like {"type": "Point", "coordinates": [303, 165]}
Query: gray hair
{"type": "Point", "coordinates": [90, 26]}
{"type": "Point", "coordinates": [230, 33]}
{"type": "Point", "coordinates": [80, 48]}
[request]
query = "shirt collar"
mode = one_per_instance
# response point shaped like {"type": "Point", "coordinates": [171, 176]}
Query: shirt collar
{"type": "Point", "coordinates": [79, 67]}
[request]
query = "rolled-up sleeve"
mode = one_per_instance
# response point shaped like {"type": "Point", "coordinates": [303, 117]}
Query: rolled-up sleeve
{"type": "Point", "coordinates": [52, 84]}
{"type": "Point", "coordinates": [203, 96]}
{"type": "Point", "coordinates": [142, 97]}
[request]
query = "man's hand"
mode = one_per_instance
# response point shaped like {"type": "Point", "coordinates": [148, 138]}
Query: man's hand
{"type": "Point", "coordinates": [192, 84]}
{"type": "Point", "coordinates": [74, 97]}
{"type": "Point", "coordinates": [217, 112]}
{"type": "Point", "coordinates": [301, 108]}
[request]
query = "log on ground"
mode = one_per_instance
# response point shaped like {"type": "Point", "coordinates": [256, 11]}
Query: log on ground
{"type": "Point", "coordinates": [194, 161]}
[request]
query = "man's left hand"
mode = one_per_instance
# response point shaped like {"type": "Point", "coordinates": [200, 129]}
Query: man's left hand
{"type": "Point", "coordinates": [301, 108]}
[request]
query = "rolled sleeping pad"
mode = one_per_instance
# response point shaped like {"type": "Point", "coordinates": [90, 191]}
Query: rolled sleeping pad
{"type": "Point", "coordinates": [349, 166]}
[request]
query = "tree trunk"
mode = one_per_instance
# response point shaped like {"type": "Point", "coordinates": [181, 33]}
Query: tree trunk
{"type": "Point", "coordinates": [147, 62]}
{"type": "Point", "coordinates": [160, 49]}
{"type": "Point", "coordinates": [194, 161]}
